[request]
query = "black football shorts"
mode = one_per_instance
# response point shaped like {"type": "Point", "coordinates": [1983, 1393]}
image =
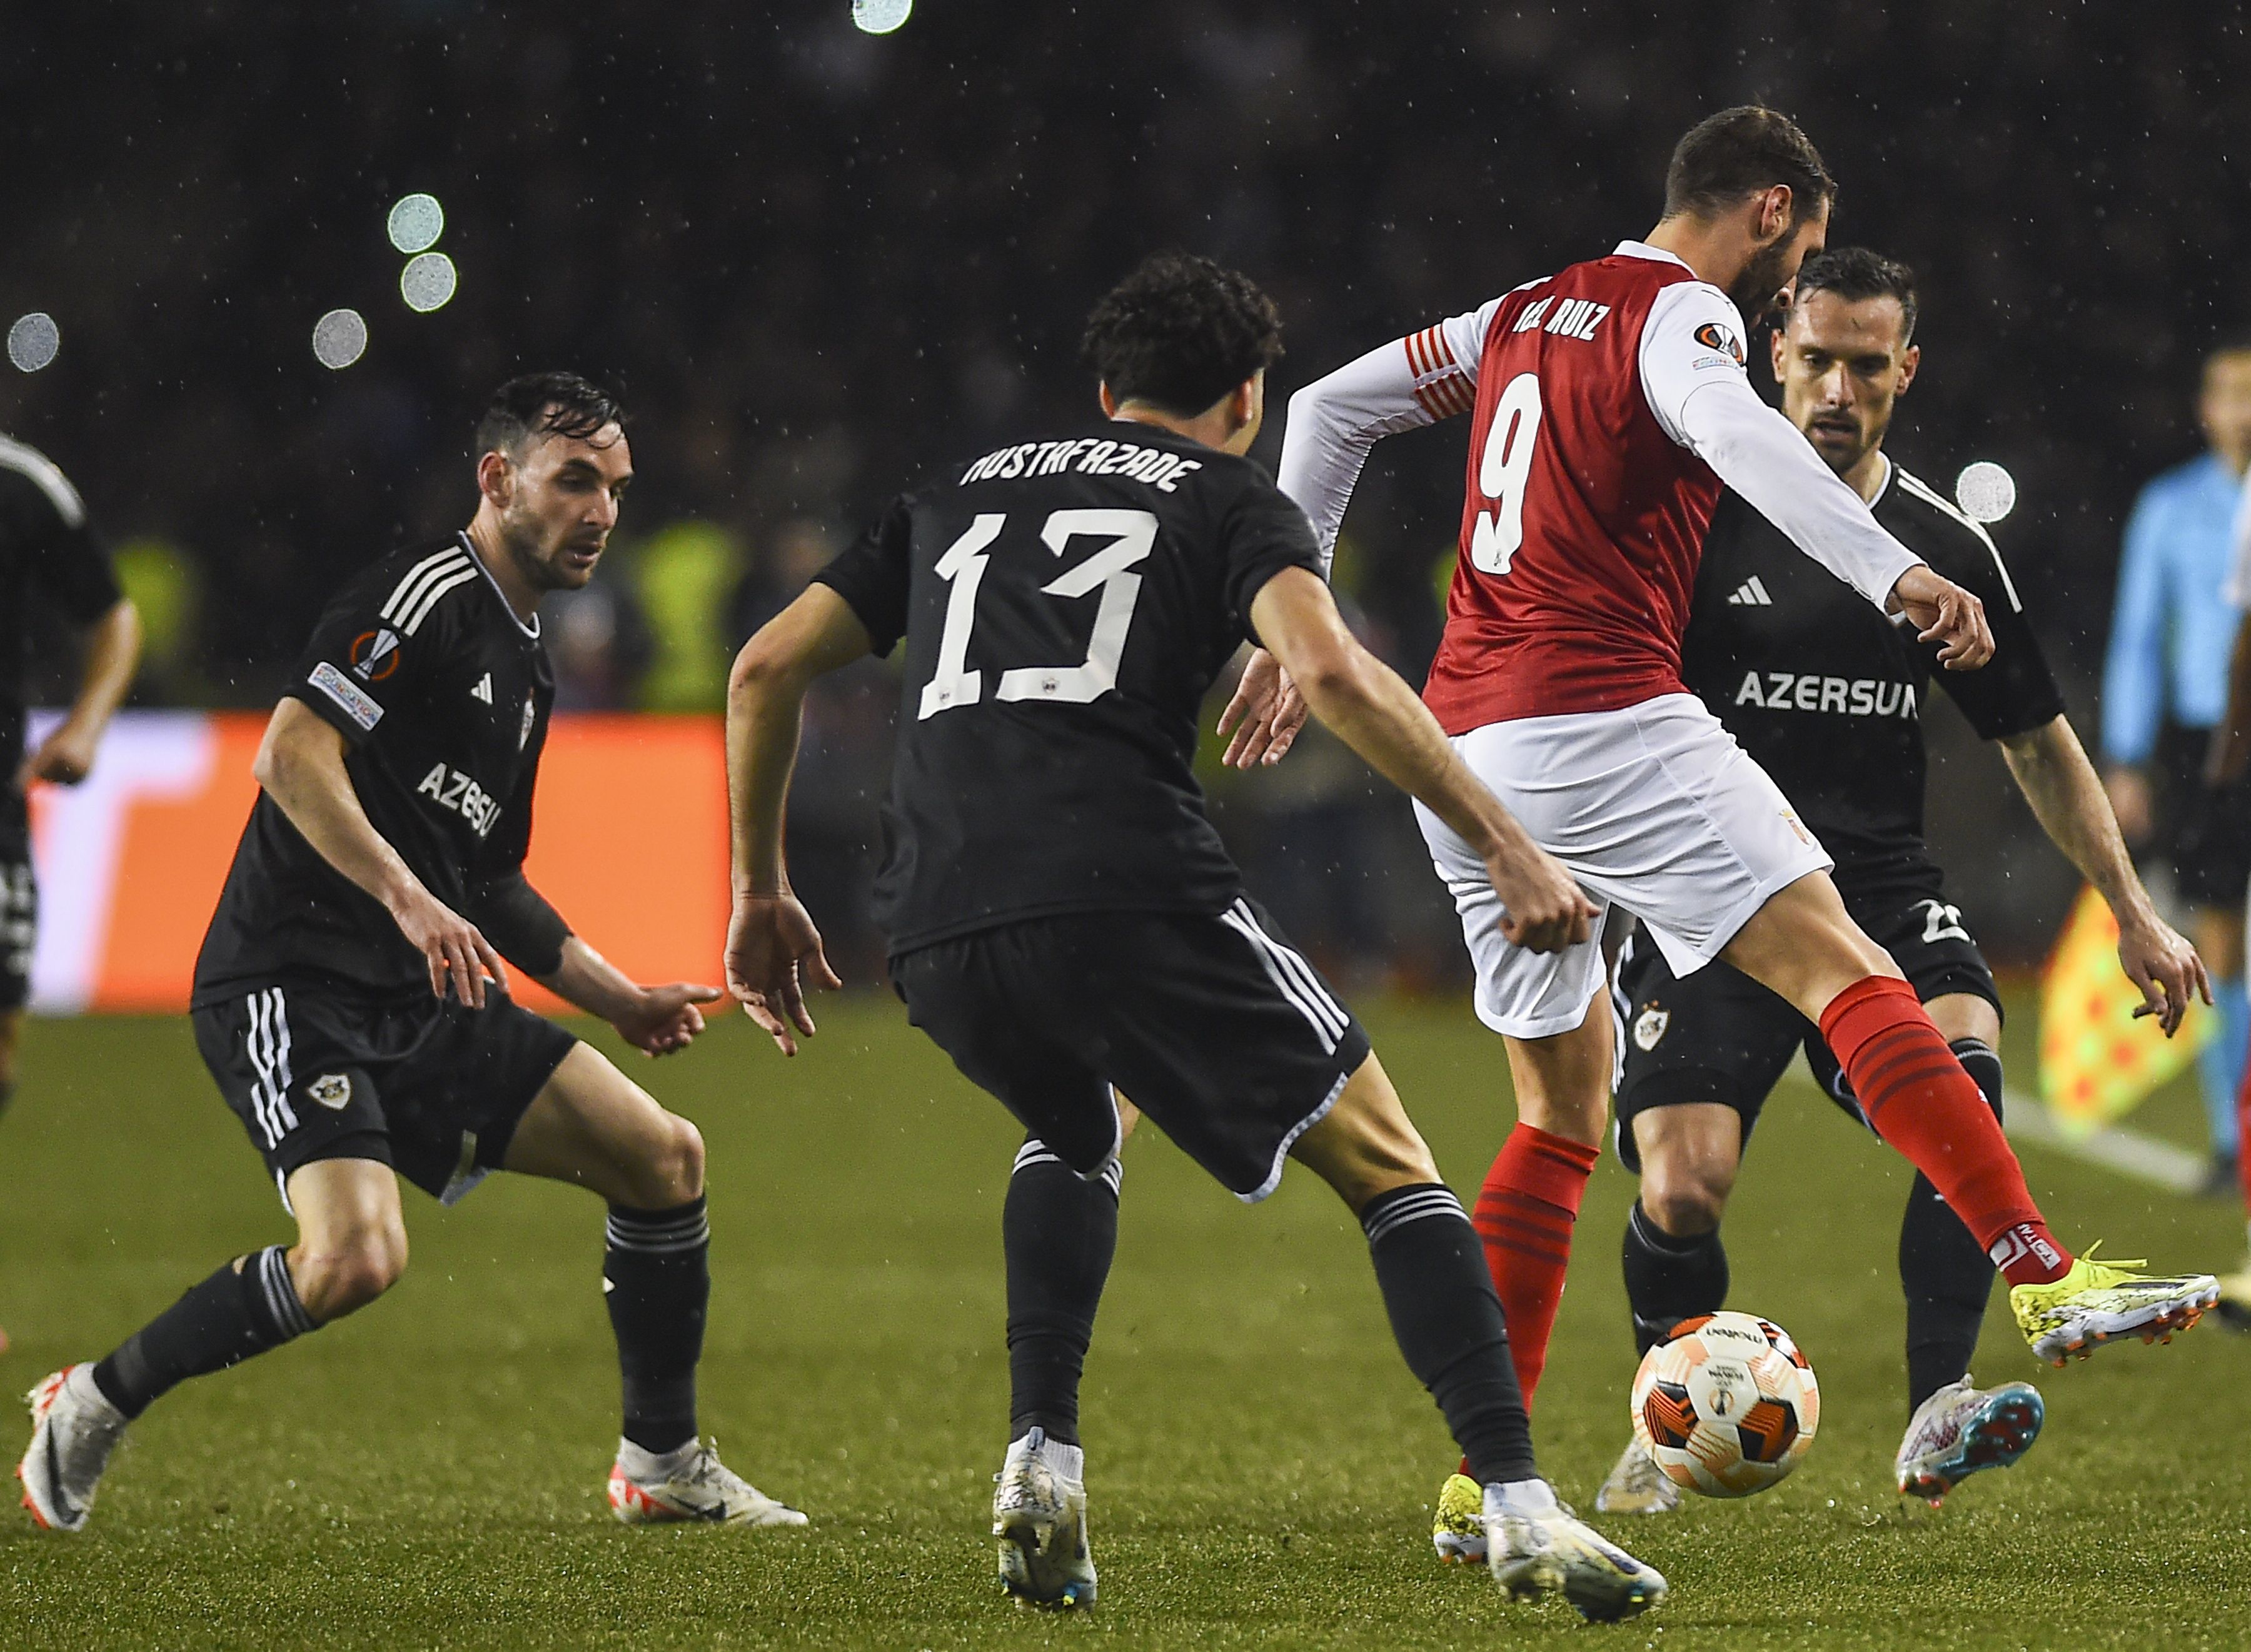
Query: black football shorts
{"type": "Point", "coordinates": [425, 1084]}
{"type": "Point", "coordinates": [1719, 1035]}
{"type": "Point", "coordinates": [1214, 1026]}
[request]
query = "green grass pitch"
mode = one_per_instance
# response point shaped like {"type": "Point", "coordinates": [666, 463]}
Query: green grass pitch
{"type": "Point", "coordinates": [430, 1472]}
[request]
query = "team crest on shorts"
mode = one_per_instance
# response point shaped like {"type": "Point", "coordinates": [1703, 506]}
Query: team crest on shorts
{"type": "Point", "coordinates": [1649, 1026]}
{"type": "Point", "coordinates": [331, 1090]}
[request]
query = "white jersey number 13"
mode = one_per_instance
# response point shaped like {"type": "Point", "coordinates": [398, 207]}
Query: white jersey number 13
{"type": "Point", "coordinates": [1132, 534]}
{"type": "Point", "coordinates": [1502, 469]}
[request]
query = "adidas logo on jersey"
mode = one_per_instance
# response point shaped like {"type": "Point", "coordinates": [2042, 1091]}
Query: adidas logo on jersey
{"type": "Point", "coordinates": [483, 689]}
{"type": "Point", "coordinates": [1750, 594]}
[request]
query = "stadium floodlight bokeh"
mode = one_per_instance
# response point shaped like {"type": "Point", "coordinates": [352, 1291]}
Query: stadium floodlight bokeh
{"type": "Point", "coordinates": [33, 341]}
{"type": "Point", "coordinates": [415, 223]}
{"type": "Point", "coordinates": [880, 17]}
{"type": "Point", "coordinates": [1986, 491]}
{"type": "Point", "coordinates": [428, 282]}
{"type": "Point", "coordinates": [339, 339]}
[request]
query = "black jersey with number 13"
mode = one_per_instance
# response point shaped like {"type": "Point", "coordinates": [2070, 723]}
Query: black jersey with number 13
{"type": "Point", "coordinates": [1065, 606]}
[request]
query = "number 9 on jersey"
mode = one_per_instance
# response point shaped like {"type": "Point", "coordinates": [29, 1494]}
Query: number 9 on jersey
{"type": "Point", "coordinates": [1502, 469]}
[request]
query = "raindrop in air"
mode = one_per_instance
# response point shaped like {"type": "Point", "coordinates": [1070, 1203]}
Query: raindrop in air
{"type": "Point", "coordinates": [1985, 492]}
{"type": "Point", "coordinates": [416, 223]}
{"type": "Point", "coordinates": [880, 17]}
{"type": "Point", "coordinates": [33, 341]}
{"type": "Point", "coordinates": [428, 282]}
{"type": "Point", "coordinates": [339, 338]}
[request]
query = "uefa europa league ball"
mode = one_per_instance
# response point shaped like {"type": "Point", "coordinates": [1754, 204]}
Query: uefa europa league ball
{"type": "Point", "coordinates": [1726, 1405]}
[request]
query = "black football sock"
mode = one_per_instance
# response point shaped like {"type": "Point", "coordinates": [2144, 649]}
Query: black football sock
{"type": "Point", "coordinates": [1431, 1267]}
{"type": "Point", "coordinates": [1668, 1279]}
{"type": "Point", "coordinates": [247, 1307]}
{"type": "Point", "coordinates": [656, 1275]}
{"type": "Point", "coordinates": [1059, 1232]}
{"type": "Point", "coordinates": [1945, 1273]}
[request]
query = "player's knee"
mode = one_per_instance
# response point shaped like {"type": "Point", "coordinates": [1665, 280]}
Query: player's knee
{"type": "Point", "coordinates": [1684, 1206]}
{"type": "Point", "coordinates": [344, 1276]}
{"type": "Point", "coordinates": [673, 1172]}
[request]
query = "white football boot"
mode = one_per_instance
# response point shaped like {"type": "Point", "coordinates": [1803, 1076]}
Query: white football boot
{"type": "Point", "coordinates": [74, 1430]}
{"type": "Point", "coordinates": [1961, 1429]}
{"type": "Point", "coordinates": [1039, 1521]}
{"type": "Point", "coordinates": [689, 1484]}
{"type": "Point", "coordinates": [1637, 1485]}
{"type": "Point", "coordinates": [1535, 1545]}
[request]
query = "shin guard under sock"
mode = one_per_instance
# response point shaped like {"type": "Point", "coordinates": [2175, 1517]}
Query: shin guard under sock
{"type": "Point", "coordinates": [1525, 1215]}
{"type": "Point", "coordinates": [247, 1307]}
{"type": "Point", "coordinates": [1059, 1232]}
{"type": "Point", "coordinates": [1431, 1270]}
{"type": "Point", "coordinates": [1945, 1272]}
{"type": "Point", "coordinates": [1669, 1278]}
{"type": "Point", "coordinates": [1916, 1097]}
{"type": "Point", "coordinates": [656, 1280]}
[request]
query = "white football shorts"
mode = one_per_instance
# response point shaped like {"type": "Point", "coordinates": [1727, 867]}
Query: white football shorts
{"type": "Point", "coordinates": [1656, 810]}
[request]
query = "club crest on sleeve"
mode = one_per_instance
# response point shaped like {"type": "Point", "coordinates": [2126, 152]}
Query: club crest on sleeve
{"type": "Point", "coordinates": [1712, 336]}
{"type": "Point", "coordinates": [331, 1090]}
{"type": "Point", "coordinates": [1649, 1026]}
{"type": "Point", "coordinates": [375, 654]}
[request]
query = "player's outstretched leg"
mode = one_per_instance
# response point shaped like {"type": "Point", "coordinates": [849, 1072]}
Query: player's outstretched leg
{"type": "Point", "coordinates": [1431, 1267]}
{"type": "Point", "coordinates": [594, 1127]}
{"type": "Point", "coordinates": [1916, 1096]}
{"type": "Point", "coordinates": [1059, 1232]}
{"type": "Point", "coordinates": [1955, 1428]}
{"type": "Point", "coordinates": [351, 1248]}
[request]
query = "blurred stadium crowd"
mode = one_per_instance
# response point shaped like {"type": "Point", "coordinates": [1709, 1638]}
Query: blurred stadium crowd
{"type": "Point", "coordinates": [771, 232]}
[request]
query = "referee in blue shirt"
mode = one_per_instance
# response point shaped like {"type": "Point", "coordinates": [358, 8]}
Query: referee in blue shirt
{"type": "Point", "coordinates": [2165, 685]}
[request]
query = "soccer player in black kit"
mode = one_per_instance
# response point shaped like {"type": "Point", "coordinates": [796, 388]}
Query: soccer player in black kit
{"type": "Point", "coordinates": [1063, 918]}
{"type": "Point", "coordinates": [1827, 697]}
{"type": "Point", "coordinates": [51, 561]}
{"type": "Point", "coordinates": [351, 1002]}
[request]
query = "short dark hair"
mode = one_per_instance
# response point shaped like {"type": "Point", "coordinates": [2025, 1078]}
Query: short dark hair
{"type": "Point", "coordinates": [545, 405]}
{"type": "Point", "coordinates": [1179, 332]}
{"type": "Point", "coordinates": [1854, 274]}
{"type": "Point", "coordinates": [1738, 152]}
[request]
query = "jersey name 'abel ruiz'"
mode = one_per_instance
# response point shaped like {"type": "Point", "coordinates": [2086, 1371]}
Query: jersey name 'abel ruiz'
{"type": "Point", "coordinates": [1827, 694]}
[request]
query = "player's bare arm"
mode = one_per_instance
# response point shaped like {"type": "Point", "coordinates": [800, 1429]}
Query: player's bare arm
{"type": "Point", "coordinates": [772, 944]}
{"type": "Point", "coordinates": [655, 1020]}
{"type": "Point", "coordinates": [1363, 701]}
{"type": "Point", "coordinates": [300, 764]}
{"type": "Point", "coordinates": [2067, 796]}
{"type": "Point", "coordinates": [112, 653]}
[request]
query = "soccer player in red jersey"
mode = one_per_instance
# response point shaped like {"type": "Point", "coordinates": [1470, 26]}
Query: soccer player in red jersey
{"type": "Point", "coordinates": [1609, 407]}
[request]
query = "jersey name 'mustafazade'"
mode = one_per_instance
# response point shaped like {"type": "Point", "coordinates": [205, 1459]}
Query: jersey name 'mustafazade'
{"type": "Point", "coordinates": [1065, 605]}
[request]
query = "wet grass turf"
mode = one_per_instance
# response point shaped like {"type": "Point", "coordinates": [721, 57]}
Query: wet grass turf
{"type": "Point", "coordinates": [429, 1473]}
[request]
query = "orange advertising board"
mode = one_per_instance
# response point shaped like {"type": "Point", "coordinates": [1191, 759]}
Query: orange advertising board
{"type": "Point", "coordinates": [629, 841]}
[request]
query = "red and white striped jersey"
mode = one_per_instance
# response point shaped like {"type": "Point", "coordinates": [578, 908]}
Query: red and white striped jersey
{"type": "Point", "coordinates": [1610, 405]}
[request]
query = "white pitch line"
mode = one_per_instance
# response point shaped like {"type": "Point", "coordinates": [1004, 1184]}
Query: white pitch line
{"type": "Point", "coordinates": [2128, 1152]}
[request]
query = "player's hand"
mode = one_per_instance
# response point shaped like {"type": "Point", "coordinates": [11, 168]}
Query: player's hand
{"type": "Point", "coordinates": [64, 758]}
{"type": "Point", "coordinates": [1264, 717]}
{"type": "Point", "coordinates": [663, 1019]}
{"type": "Point", "coordinates": [1945, 613]}
{"type": "Point", "coordinates": [1544, 908]}
{"type": "Point", "coordinates": [459, 955]}
{"type": "Point", "coordinates": [773, 948]}
{"type": "Point", "coordinates": [2161, 962]}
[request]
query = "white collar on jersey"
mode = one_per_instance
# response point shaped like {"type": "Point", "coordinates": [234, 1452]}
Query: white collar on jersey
{"type": "Point", "coordinates": [531, 630]}
{"type": "Point", "coordinates": [1884, 486]}
{"type": "Point", "coordinates": [1643, 249]}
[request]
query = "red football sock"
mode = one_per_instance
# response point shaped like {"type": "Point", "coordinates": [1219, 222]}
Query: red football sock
{"type": "Point", "coordinates": [1525, 1216]}
{"type": "Point", "coordinates": [1918, 1098]}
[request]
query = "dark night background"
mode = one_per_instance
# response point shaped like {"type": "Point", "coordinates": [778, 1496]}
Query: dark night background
{"type": "Point", "coordinates": [821, 262]}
